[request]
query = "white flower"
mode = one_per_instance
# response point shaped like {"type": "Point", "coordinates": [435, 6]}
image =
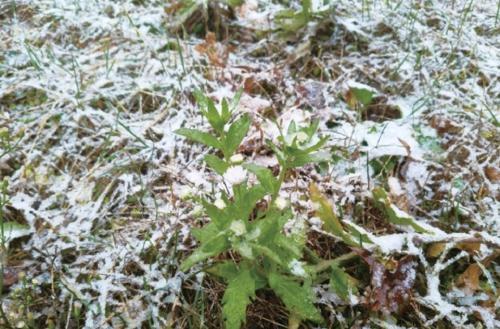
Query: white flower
{"type": "Point", "coordinates": [281, 203]}
{"type": "Point", "coordinates": [20, 324]}
{"type": "Point", "coordinates": [238, 227]}
{"type": "Point", "coordinates": [237, 158]}
{"type": "Point", "coordinates": [219, 203]}
{"type": "Point", "coordinates": [235, 175]}
{"type": "Point", "coordinates": [296, 268]}
{"type": "Point", "coordinates": [302, 137]}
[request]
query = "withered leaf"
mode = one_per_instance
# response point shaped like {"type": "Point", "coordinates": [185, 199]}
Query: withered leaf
{"type": "Point", "coordinates": [391, 291]}
{"type": "Point", "coordinates": [469, 280]}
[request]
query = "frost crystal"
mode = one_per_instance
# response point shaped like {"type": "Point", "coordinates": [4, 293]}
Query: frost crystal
{"type": "Point", "coordinates": [235, 175]}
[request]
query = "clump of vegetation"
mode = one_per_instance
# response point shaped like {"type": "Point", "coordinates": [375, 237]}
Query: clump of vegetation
{"type": "Point", "coordinates": [265, 257]}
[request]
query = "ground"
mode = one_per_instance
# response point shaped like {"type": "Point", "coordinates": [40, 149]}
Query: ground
{"type": "Point", "coordinates": [95, 179]}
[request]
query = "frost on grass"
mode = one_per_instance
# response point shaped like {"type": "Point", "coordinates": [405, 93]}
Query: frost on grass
{"type": "Point", "coordinates": [94, 91]}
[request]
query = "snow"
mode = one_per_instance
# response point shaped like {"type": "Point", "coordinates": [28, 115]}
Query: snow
{"type": "Point", "coordinates": [95, 146]}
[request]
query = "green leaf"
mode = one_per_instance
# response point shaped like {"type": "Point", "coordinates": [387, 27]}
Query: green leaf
{"type": "Point", "coordinates": [225, 113]}
{"type": "Point", "coordinates": [298, 299]}
{"type": "Point", "coordinates": [393, 213]}
{"type": "Point", "coordinates": [236, 99]}
{"type": "Point", "coordinates": [263, 250]}
{"type": "Point", "coordinates": [213, 116]}
{"type": "Point", "coordinates": [226, 270]}
{"type": "Point", "coordinates": [199, 136]}
{"type": "Point", "coordinates": [325, 212]}
{"type": "Point", "coordinates": [212, 247]}
{"type": "Point", "coordinates": [303, 159]}
{"type": "Point", "coordinates": [206, 232]}
{"type": "Point", "coordinates": [246, 199]}
{"type": "Point", "coordinates": [235, 135]}
{"type": "Point", "coordinates": [234, 3]}
{"type": "Point", "coordinates": [364, 96]}
{"type": "Point", "coordinates": [341, 283]}
{"type": "Point", "coordinates": [271, 225]}
{"type": "Point", "coordinates": [279, 154]}
{"type": "Point", "coordinates": [238, 295]}
{"type": "Point", "coordinates": [265, 177]}
{"type": "Point", "coordinates": [218, 216]}
{"type": "Point", "coordinates": [214, 162]}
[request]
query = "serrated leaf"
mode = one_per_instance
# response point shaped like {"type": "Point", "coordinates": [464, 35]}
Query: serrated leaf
{"type": "Point", "coordinates": [226, 270]}
{"type": "Point", "coordinates": [235, 134]}
{"type": "Point", "coordinates": [205, 233]}
{"type": "Point", "coordinates": [246, 199]}
{"type": "Point", "coordinates": [218, 165]}
{"type": "Point", "coordinates": [271, 225]}
{"type": "Point", "coordinates": [211, 247]}
{"type": "Point", "coordinates": [199, 136]}
{"type": "Point", "coordinates": [265, 251]}
{"type": "Point", "coordinates": [265, 177]}
{"type": "Point", "coordinates": [238, 295]}
{"type": "Point", "coordinates": [298, 299]}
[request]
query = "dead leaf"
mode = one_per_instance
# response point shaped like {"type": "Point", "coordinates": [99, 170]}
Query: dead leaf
{"type": "Point", "coordinates": [469, 280]}
{"type": "Point", "coordinates": [435, 249]}
{"type": "Point", "coordinates": [493, 174]}
{"type": "Point", "coordinates": [10, 277]}
{"type": "Point", "coordinates": [391, 291]}
{"type": "Point", "coordinates": [444, 126]}
{"type": "Point", "coordinates": [217, 54]}
{"type": "Point", "coordinates": [470, 247]}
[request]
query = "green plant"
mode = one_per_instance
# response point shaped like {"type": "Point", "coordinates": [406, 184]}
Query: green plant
{"type": "Point", "coordinates": [262, 255]}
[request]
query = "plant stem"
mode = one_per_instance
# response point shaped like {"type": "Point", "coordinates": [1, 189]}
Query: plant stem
{"type": "Point", "coordinates": [327, 263]}
{"type": "Point", "coordinates": [281, 179]}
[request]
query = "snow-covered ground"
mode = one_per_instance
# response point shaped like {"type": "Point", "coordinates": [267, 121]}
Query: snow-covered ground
{"type": "Point", "coordinates": [91, 92]}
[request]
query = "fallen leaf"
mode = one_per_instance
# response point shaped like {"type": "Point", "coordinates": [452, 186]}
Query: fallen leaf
{"type": "Point", "coordinates": [390, 291]}
{"type": "Point", "coordinates": [493, 174]}
{"type": "Point", "coordinates": [10, 277]}
{"type": "Point", "coordinates": [470, 247]}
{"type": "Point", "coordinates": [435, 249]}
{"type": "Point", "coordinates": [469, 280]}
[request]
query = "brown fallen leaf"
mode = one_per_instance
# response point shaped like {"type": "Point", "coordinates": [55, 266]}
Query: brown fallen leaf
{"type": "Point", "coordinates": [435, 249]}
{"type": "Point", "coordinates": [470, 247]}
{"type": "Point", "coordinates": [444, 126]}
{"type": "Point", "coordinates": [390, 290]}
{"type": "Point", "coordinates": [217, 54]}
{"type": "Point", "coordinates": [10, 277]}
{"type": "Point", "coordinates": [492, 173]}
{"type": "Point", "coordinates": [469, 280]}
